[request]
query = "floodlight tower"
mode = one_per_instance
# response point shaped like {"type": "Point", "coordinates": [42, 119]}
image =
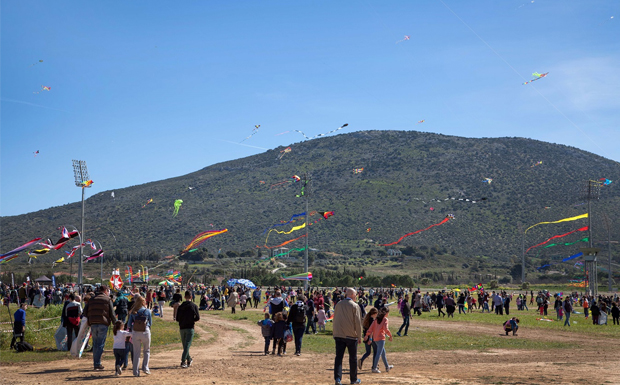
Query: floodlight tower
{"type": "Point", "coordinates": [80, 173]}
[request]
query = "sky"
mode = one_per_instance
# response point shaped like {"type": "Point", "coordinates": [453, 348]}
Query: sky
{"type": "Point", "coordinates": [145, 91]}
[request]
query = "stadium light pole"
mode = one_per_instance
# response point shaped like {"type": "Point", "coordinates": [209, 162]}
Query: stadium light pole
{"type": "Point", "coordinates": [80, 173]}
{"type": "Point", "coordinates": [306, 180]}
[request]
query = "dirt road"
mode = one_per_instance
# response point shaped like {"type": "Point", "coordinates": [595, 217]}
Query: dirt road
{"type": "Point", "coordinates": [231, 353]}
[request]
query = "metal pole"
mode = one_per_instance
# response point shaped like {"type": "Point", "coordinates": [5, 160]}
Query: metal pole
{"type": "Point", "coordinates": [80, 267]}
{"type": "Point", "coordinates": [609, 252]}
{"type": "Point", "coordinates": [101, 269]}
{"type": "Point", "coordinates": [589, 213]}
{"type": "Point", "coordinates": [523, 259]}
{"type": "Point", "coordinates": [307, 215]}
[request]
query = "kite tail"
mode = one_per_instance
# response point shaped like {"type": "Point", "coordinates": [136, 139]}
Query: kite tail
{"type": "Point", "coordinates": [446, 219]}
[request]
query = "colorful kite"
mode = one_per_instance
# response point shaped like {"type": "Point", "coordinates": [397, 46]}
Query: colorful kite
{"type": "Point", "coordinates": [585, 228]}
{"type": "Point", "coordinates": [292, 179]}
{"type": "Point", "coordinates": [537, 163]}
{"type": "Point", "coordinates": [487, 180]}
{"type": "Point", "coordinates": [284, 152]}
{"type": "Point", "coordinates": [285, 223]}
{"type": "Point", "coordinates": [327, 133]}
{"type": "Point", "coordinates": [43, 88]}
{"type": "Point", "coordinates": [561, 220]}
{"type": "Point", "coordinates": [35, 253]}
{"type": "Point", "coordinates": [6, 260]}
{"type": "Point", "coordinates": [200, 238]}
{"type": "Point", "coordinates": [20, 248]}
{"type": "Point", "coordinates": [97, 254]}
{"type": "Point", "coordinates": [41, 61]}
{"type": "Point", "coordinates": [358, 170]}
{"type": "Point", "coordinates": [421, 121]}
{"type": "Point", "coordinates": [177, 206]}
{"type": "Point", "coordinates": [606, 182]}
{"type": "Point", "coordinates": [295, 228]}
{"type": "Point", "coordinates": [586, 239]}
{"type": "Point", "coordinates": [282, 244]}
{"type": "Point", "coordinates": [35, 153]}
{"type": "Point", "coordinates": [537, 76]}
{"type": "Point", "coordinates": [147, 202]}
{"type": "Point", "coordinates": [254, 131]}
{"type": "Point", "coordinates": [446, 219]}
{"type": "Point", "coordinates": [404, 39]}
{"type": "Point", "coordinates": [298, 277]}
{"type": "Point", "coordinates": [87, 183]}
{"type": "Point", "coordinates": [326, 214]}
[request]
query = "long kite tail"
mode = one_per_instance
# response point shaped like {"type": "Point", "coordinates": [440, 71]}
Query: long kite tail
{"type": "Point", "coordinates": [585, 228]}
{"type": "Point", "coordinates": [282, 244]}
{"type": "Point", "coordinates": [446, 219]}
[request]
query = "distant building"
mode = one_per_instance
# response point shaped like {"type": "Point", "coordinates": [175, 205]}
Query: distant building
{"type": "Point", "coordinates": [394, 252]}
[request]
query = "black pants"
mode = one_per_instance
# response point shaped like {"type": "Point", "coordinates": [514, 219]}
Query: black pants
{"type": "Point", "coordinates": [72, 332]}
{"type": "Point", "coordinates": [343, 344]}
{"type": "Point", "coordinates": [416, 310]}
{"type": "Point", "coordinates": [499, 310]}
{"type": "Point", "coordinates": [507, 308]}
{"type": "Point", "coordinates": [18, 332]}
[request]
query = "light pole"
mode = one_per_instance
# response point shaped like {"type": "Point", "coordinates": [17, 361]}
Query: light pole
{"type": "Point", "coordinates": [80, 173]}
{"type": "Point", "coordinates": [305, 191]}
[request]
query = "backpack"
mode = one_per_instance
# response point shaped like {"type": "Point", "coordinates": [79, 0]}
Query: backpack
{"type": "Point", "coordinates": [140, 322]}
{"type": "Point", "coordinates": [73, 315]}
{"type": "Point", "coordinates": [23, 347]}
{"type": "Point", "coordinates": [300, 315]}
{"type": "Point", "coordinates": [539, 300]}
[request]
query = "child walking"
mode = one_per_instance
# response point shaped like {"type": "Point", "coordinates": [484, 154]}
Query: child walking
{"type": "Point", "coordinates": [321, 318]}
{"type": "Point", "coordinates": [266, 326]}
{"type": "Point", "coordinates": [377, 332]}
{"type": "Point", "coordinates": [119, 346]}
{"type": "Point", "coordinates": [277, 332]}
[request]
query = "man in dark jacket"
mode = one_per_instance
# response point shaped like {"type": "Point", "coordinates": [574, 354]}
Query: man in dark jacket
{"type": "Point", "coordinates": [100, 314]}
{"type": "Point", "coordinates": [405, 310]}
{"type": "Point", "coordinates": [187, 315]}
{"type": "Point", "coordinates": [122, 305]}
{"type": "Point", "coordinates": [297, 317]}
{"type": "Point", "coordinates": [310, 316]}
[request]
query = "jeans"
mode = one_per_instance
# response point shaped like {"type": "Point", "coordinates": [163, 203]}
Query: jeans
{"type": "Point", "coordinates": [99, 333]}
{"type": "Point", "coordinates": [368, 351]}
{"type": "Point", "coordinates": [128, 349]}
{"type": "Point", "coordinates": [310, 324]}
{"type": "Point", "coordinates": [462, 309]}
{"type": "Point", "coordinates": [161, 308]}
{"type": "Point", "coordinates": [187, 335]}
{"type": "Point", "coordinates": [119, 355]}
{"type": "Point", "coordinates": [405, 325]}
{"type": "Point", "coordinates": [567, 322]}
{"type": "Point", "coordinates": [343, 344]}
{"type": "Point", "coordinates": [298, 333]}
{"type": "Point", "coordinates": [485, 306]}
{"type": "Point", "coordinates": [121, 316]}
{"type": "Point", "coordinates": [141, 340]}
{"type": "Point", "coordinates": [380, 353]}
{"type": "Point", "coordinates": [267, 342]}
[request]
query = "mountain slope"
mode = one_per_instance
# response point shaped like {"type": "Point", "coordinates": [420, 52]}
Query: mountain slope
{"type": "Point", "coordinates": [403, 171]}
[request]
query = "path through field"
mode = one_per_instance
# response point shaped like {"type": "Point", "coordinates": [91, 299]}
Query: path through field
{"type": "Point", "coordinates": [230, 352]}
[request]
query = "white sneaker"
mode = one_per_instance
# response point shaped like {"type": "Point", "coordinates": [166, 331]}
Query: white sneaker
{"type": "Point", "coordinates": [376, 370]}
{"type": "Point", "coordinates": [389, 368]}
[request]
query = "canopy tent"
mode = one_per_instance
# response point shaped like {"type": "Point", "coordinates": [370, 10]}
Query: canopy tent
{"type": "Point", "coordinates": [43, 280]}
{"type": "Point", "coordinates": [241, 281]}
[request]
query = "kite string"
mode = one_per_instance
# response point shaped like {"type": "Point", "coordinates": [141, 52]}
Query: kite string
{"type": "Point", "coordinates": [523, 78]}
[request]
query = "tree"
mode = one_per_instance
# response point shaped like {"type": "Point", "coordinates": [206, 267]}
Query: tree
{"type": "Point", "coordinates": [493, 284]}
{"type": "Point", "coordinates": [515, 271]}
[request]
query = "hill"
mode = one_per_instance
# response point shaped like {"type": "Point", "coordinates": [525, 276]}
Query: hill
{"type": "Point", "coordinates": [406, 180]}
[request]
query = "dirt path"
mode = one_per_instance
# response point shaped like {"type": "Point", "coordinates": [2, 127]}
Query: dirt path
{"type": "Point", "coordinates": [230, 352]}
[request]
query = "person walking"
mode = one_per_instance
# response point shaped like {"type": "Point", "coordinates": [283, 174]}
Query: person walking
{"type": "Point", "coordinates": [297, 318]}
{"type": "Point", "coordinates": [233, 301]}
{"type": "Point", "coordinates": [71, 319]}
{"type": "Point", "coordinates": [310, 315]}
{"type": "Point", "coordinates": [187, 316]}
{"type": "Point", "coordinates": [177, 298]}
{"type": "Point", "coordinates": [100, 314]}
{"type": "Point", "coordinates": [140, 321]}
{"type": "Point", "coordinates": [405, 311]}
{"type": "Point", "coordinates": [121, 304]}
{"type": "Point", "coordinates": [161, 301]}
{"type": "Point", "coordinates": [377, 332]}
{"type": "Point", "coordinates": [568, 309]}
{"type": "Point", "coordinates": [19, 324]}
{"type": "Point", "coordinates": [368, 320]}
{"type": "Point", "coordinates": [440, 302]}
{"type": "Point", "coordinates": [256, 294]}
{"type": "Point", "coordinates": [347, 332]}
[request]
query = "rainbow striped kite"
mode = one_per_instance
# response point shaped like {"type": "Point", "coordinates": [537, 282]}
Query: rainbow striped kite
{"type": "Point", "coordinates": [198, 239]}
{"type": "Point", "coordinates": [298, 277]}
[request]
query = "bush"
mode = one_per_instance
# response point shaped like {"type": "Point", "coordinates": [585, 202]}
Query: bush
{"type": "Point", "coordinates": [525, 286]}
{"type": "Point", "coordinates": [493, 284]}
{"type": "Point", "coordinates": [425, 281]}
{"type": "Point", "coordinates": [506, 279]}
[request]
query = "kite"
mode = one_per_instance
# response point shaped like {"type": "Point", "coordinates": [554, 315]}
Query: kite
{"type": "Point", "coordinates": [537, 164]}
{"type": "Point", "coordinates": [537, 76]}
{"type": "Point", "coordinates": [295, 228]}
{"type": "Point", "coordinates": [147, 202]}
{"type": "Point", "coordinates": [35, 253]}
{"type": "Point", "coordinates": [282, 244]}
{"type": "Point", "coordinates": [585, 228]}
{"type": "Point", "coordinates": [284, 152]}
{"type": "Point", "coordinates": [177, 206]}
{"type": "Point", "coordinates": [446, 219]}
{"type": "Point", "coordinates": [487, 180]}
{"type": "Point", "coordinates": [43, 88]}
{"type": "Point", "coordinates": [358, 170]}
{"type": "Point", "coordinates": [282, 133]}
{"type": "Point", "coordinates": [200, 238]}
{"type": "Point", "coordinates": [606, 182]}
{"type": "Point", "coordinates": [98, 253]}
{"type": "Point", "coordinates": [561, 220]}
{"type": "Point", "coordinates": [298, 277]}
{"type": "Point", "coordinates": [289, 221]}
{"type": "Point", "coordinates": [564, 260]}
{"type": "Point", "coordinates": [327, 133]}
{"type": "Point", "coordinates": [405, 38]}
{"type": "Point", "coordinates": [61, 260]}
{"type": "Point", "coordinates": [87, 183]}
{"type": "Point", "coordinates": [41, 61]}
{"type": "Point", "coordinates": [326, 214]}
{"type": "Point", "coordinates": [303, 188]}
{"type": "Point", "coordinates": [129, 274]}
{"type": "Point", "coordinates": [6, 260]}
{"type": "Point", "coordinates": [292, 179]}
{"type": "Point", "coordinates": [20, 248]}
{"type": "Point", "coordinates": [368, 229]}
{"type": "Point", "coordinates": [586, 239]}
{"type": "Point", "coordinates": [254, 131]}
{"type": "Point", "coordinates": [421, 121]}
{"type": "Point", "coordinates": [35, 153]}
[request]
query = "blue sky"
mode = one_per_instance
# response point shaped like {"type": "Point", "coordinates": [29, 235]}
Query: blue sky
{"type": "Point", "coordinates": [146, 91]}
